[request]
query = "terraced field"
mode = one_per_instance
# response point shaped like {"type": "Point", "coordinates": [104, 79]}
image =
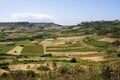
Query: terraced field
{"type": "Point", "coordinates": [63, 46]}
{"type": "Point", "coordinates": [108, 39]}
{"type": "Point", "coordinates": [35, 50]}
{"type": "Point", "coordinates": [74, 44]}
{"type": "Point", "coordinates": [15, 51]}
{"type": "Point", "coordinates": [75, 47]}
{"type": "Point", "coordinates": [48, 51]}
{"type": "Point", "coordinates": [4, 48]}
{"type": "Point", "coordinates": [27, 49]}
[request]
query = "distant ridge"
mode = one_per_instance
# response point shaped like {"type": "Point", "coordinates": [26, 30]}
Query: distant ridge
{"type": "Point", "coordinates": [29, 24]}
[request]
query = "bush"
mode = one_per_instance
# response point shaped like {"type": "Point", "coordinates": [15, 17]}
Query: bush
{"type": "Point", "coordinates": [54, 64]}
{"type": "Point", "coordinates": [77, 68]}
{"type": "Point", "coordinates": [21, 56]}
{"type": "Point", "coordinates": [73, 60]}
{"type": "Point", "coordinates": [30, 73]}
{"type": "Point", "coordinates": [43, 68]}
{"type": "Point", "coordinates": [15, 61]}
{"type": "Point", "coordinates": [46, 55]}
{"type": "Point", "coordinates": [111, 50]}
{"type": "Point", "coordinates": [116, 43]}
{"type": "Point", "coordinates": [2, 58]}
{"type": "Point", "coordinates": [107, 72]}
{"type": "Point", "coordinates": [22, 75]}
{"type": "Point", "coordinates": [22, 45]}
{"type": "Point", "coordinates": [118, 54]}
{"type": "Point", "coordinates": [10, 44]}
{"type": "Point", "coordinates": [18, 75]}
{"type": "Point", "coordinates": [63, 69]}
{"type": "Point", "coordinates": [4, 75]}
{"type": "Point", "coordinates": [4, 65]}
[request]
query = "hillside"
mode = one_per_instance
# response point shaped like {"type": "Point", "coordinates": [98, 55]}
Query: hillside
{"type": "Point", "coordinates": [108, 28]}
{"type": "Point", "coordinates": [48, 51]}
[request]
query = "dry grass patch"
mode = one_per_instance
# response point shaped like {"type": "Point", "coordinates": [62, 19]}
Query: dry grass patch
{"type": "Point", "coordinates": [100, 58]}
{"type": "Point", "coordinates": [107, 39]}
{"type": "Point", "coordinates": [15, 51]}
{"type": "Point", "coordinates": [3, 71]}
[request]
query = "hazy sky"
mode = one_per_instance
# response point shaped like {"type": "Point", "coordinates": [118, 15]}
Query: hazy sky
{"type": "Point", "coordinates": [65, 12]}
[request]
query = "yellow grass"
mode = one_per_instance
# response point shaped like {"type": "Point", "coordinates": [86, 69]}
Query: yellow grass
{"type": "Point", "coordinates": [15, 51]}
{"type": "Point", "coordinates": [107, 39]}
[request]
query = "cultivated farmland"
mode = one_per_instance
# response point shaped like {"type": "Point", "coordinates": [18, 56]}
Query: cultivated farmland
{"type": "Point", "coordinates": [48, 51]}
{"type": "Point", "coordinates": [35, 50]}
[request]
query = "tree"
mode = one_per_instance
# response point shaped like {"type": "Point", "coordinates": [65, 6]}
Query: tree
{"type": "Point", "coordinates": [73, 60]}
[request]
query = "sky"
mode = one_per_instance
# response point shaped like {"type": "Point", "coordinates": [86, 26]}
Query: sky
{"type": "Point", "coordinates": [64, 12]}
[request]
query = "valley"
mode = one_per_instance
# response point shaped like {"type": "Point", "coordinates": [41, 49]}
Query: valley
{"type": "Point", "coordinates": [45, 48]}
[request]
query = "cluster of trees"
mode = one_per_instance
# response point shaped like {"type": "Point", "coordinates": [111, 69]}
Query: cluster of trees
{"type": "Point", "coordinates": [27, 24]}
{"type": "Point", "coordinates": [103, 27]}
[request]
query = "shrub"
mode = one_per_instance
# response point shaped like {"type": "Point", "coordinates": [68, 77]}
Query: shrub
{"type": "Point", "coordinates": [43, 68]}
{"type": "Point", "coordinates": [4, 65]}
{"type": "Point", "coordinates": [111, 50]}
{"type": "Point", "coordinates": [63, 69]}
{"type": "Point", "coordinates": [10, 44]}
{"type": "Point", "coordinates": [54, 64]}
{"type": "Point", "coordinates": [21, 56]}
{"type": "Point", "coordinates": [4, 75]}
{"type": "Point", "coordinates": [22, 45]}
{"type": "Point", "coordinates": [73, 60]}
{"type": "Point", "coordinates": [77, 68]}
{"type": "Point", "coordinates": [107, 72]}
{"type": "Point", "coordinates": [15, 61]}
{"type": "Point", "coordinates": [17, 75]}
{"type": "Point", "coordinates": [46, 55]}
{"type": "Point", "coordinates": [30, 73]}
{"type": "Point", "coordinates": [116, 43]}
{"type": "Point", "coordinates": [118, 54]}
{"type": "Point", "coordinates": [2, 58]}
{"type": "Point", "coordinates": [22, 75]}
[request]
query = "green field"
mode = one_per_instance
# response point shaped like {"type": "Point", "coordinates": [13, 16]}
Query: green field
{"type": "Point", "coordinates": [71, 50]}
{"type": "Point", "coordinates": [5, 48]}
{"type": "Point", "coordinates": [79, 52]}
{"type": "Point", "coordinates": [96, 43]}
{"type": "Point", "coordinates": [35, 50]}
{"type": "Point", "coordinates": [26, 44]}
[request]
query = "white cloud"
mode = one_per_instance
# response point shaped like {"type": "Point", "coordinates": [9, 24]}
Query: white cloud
{"type": "Point", "coordinates": [30, 17]}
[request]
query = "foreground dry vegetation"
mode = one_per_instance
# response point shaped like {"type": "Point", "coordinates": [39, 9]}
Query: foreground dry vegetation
{"type": "Point", "coordinates": [55, 69]}
{"type": "Point", "coordinates": [55, 64]}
